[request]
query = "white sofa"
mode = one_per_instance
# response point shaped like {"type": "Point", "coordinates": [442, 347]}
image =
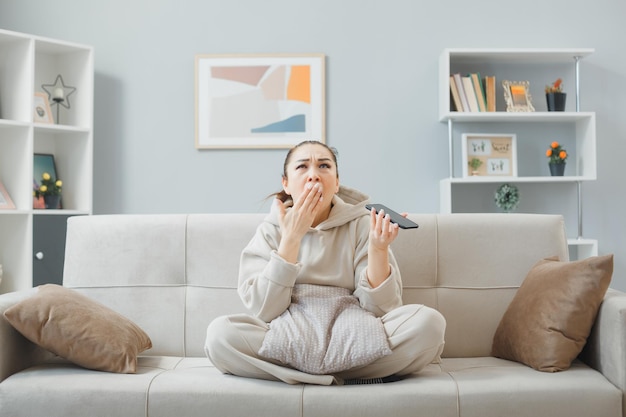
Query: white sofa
{"type": "Point", "coordinates": [172, 274]}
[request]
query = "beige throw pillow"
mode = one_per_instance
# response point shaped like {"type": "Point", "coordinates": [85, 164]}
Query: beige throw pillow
{"type": "Point", "coordinates": [79, 329]}
{"type": "Point", "coordinates": [547, 324]}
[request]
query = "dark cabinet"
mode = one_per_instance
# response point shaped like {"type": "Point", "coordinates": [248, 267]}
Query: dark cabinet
{"type": "Point", "coordinates": [48, 248]}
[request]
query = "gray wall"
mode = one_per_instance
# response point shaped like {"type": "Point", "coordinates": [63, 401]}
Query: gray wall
{"type": "Point", "coordinates": [387, 132]}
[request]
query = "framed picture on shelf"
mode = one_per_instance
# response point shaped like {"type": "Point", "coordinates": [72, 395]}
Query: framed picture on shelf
{"type": "Point", "coordinates": [41, 109]}
{"type": "Point", "coordinates": [259, 101]}
{"type": "Point", "coordinates": [488, 154]}
{"type": "Point", "coordinates": [517, 96]}
{"type": "Point", "coordinates": [5, 198]}
{"type": "Point", "coordinates": [42, 162]}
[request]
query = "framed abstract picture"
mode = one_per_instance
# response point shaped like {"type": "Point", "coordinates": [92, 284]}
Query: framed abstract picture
{"type": "Point", "coordinates": [489, 154]}
{"type": "Point", "coordinates": [41, 109]}
{"type": "Point", "coordinates": [259, 101]}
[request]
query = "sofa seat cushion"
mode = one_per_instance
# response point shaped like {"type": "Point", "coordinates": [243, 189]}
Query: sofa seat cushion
{"type": "Point", "coordinates": [514, 389]}
{"type": "Point", "coordinates": [188, 387]}
{"type": "Point", "coordinates": [162, 386]}
{"type": "Point", "coordinates": [66, 389]}
{"type": "Point", "coordinates": [197, 389]}
{"type": "Point", "coordinates": [429, 393]}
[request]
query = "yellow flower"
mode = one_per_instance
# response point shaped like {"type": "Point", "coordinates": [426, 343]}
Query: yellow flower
{"type": "Point", "coordinates": [49, 186]}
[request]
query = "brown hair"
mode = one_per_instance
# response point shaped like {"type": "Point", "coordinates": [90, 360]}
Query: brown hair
{"type": "Point", "coordinates": [282, 195]}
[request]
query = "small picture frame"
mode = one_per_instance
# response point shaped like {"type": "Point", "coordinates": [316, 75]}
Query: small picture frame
{"type": "Point", "coordinates": [5, 198]}
{"type": "Point", "coordinates": [42, 162]}
{"type": "Point", "coordinates": [517, 96]}
{"type": "Point", "coordinates": [488, 154]}
{"type": "Point", "coordinates": [41, 109]}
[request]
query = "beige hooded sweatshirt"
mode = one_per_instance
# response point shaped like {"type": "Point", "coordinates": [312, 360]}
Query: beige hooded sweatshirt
{"type": "Point", "coordinates": [334, 253]}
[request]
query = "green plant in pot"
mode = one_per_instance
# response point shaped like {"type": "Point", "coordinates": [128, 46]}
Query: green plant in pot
{"type": "Point", "coordinates": [475, 163]}
{"type": "Point", "coordinates": [556, 159]}
{"type": "Point", "coordinates": [555, 97]}
{"type": "Point", "coordinates": [50, 189]}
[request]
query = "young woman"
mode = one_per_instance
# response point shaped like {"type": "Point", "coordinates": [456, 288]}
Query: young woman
{"type": "Point", "coordinates": [323, 289]}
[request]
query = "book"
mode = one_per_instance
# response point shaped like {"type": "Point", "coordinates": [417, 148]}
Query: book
{"type": "Point", "coordinates": [456, 98]}
{"type": "Point", "coordinates": [468, 87]}
{"type": "Point", "coordinates": [458, 80]}
{"type": "Point", "coordinates": [490, 92]}
{"type": "Point", "coordinates": [479, 90]}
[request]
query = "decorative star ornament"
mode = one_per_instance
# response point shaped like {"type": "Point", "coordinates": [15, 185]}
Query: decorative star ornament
{"type": "Point", "coordinates": [59, 93]}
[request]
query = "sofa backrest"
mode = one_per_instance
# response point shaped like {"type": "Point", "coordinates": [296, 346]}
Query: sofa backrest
{"type": "Point", "coordinates": [174, 273]}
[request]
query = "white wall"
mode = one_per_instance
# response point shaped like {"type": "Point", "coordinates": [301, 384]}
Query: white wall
{"type": "Point", "coordinates": [386, 129]}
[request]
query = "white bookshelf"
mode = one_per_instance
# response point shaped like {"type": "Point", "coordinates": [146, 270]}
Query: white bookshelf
{"type": "Point", "coordinates": [27, 62]}
{"type": "Point", "coordinates": [534, 130]}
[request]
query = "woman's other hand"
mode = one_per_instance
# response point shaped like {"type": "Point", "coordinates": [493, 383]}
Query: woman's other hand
{"type": "Point", "coordinates": [382, 230]}
{"type": "Point", "coordinates": [382, 233]}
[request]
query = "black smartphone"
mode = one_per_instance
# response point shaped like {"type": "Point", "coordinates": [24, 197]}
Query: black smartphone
{"type": "Point", "coordinates": [395, 217]}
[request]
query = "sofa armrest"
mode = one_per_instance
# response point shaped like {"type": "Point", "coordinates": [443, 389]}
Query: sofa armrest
{"type": "Point", "coordinates": [16, 352]}
{"type": "Point", "coordinates": [605, 350]}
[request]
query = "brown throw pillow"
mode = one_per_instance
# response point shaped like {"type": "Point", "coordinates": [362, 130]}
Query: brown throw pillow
{"type": "Point", "coordinates": [547, 324]}
{"type": "Point", "coordinates": [79, 329]}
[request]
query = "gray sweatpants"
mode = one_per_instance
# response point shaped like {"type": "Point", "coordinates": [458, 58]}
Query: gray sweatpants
{"type": "Point", "coordinates": [415, 333]}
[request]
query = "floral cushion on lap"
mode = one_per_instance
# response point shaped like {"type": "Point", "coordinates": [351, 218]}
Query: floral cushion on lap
{"type": "Point", "coordinates": [547, 324]}
{"type": "Point", "coordinates": [79, 329]}
{"type": "Point", "coordinates": [325, 331]}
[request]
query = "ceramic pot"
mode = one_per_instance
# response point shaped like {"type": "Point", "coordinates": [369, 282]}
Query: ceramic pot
{"type": "Point", "coordinates": [52, 201]}
{"type": "Point", "coordinates": [557, 170]}
{"type": "Point", "coordinates": [556, 101]}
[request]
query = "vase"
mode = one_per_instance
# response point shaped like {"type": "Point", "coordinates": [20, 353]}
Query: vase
{"type": "Point", "coordinates": [557, 170]}
{"type": "Point", "coordinates": [556, 101]}
{"type": "Point", "coordinates": [52, 201]}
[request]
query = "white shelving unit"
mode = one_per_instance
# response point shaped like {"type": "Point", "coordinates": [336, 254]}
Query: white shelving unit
{"type": "Point", "coordinates": [27, 62]}
{"type": "Point", "coordinates": [534, 130]}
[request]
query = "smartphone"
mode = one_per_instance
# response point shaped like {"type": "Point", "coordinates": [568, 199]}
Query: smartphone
{"type": "Point", "coordinates": [395, 217]}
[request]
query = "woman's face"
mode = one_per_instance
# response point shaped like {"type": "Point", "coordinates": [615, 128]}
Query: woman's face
{"type": "Point", "coordinates": [311, 164]}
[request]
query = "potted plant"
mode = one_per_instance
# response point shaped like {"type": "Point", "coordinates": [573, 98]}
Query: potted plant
{"type": "Point", "coordinates": [475, 163]}
{"type": "Point", "coordinates": [556, 159]}
{"type": "Point", "coordinates": [50, 189]}
{"type": "Point", "coordinates": [555, 97]}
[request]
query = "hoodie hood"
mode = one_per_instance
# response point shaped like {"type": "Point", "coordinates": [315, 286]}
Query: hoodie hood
{"type": "Point", "coordinates": [348, 204]}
